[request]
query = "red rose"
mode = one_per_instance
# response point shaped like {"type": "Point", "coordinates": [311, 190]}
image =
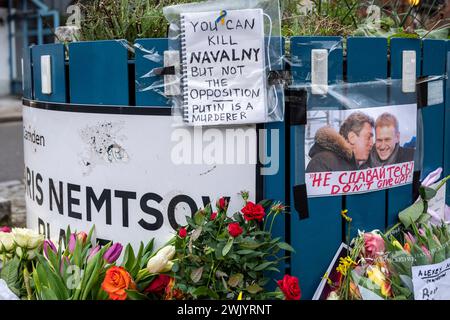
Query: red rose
{"type": "Point", "coordinates": [222, 204]}
{"type": "Point", "coordinates": [159, 284]}
{"type": "Point", "coordinates": [213, 216]}
{"type": "Point", "coordinates": [183, 232]}
{"type": "Point", "coordinates": [253, 211]}
{"type": "Point", "coordinates": [290, 288]}
{"type": "Point", "coordinates": [234, 229]}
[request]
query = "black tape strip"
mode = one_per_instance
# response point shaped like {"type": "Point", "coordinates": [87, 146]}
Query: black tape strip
{"type": "Point", "coordinates": [282, 77]}
{"type": "Point", "coordinates": [296, 105]}
{"type": "Point", "coordinates": [422, 93]}
{"type": "Point", "coordinates": [416, 185]}
{"type": "Point", "coordinates": [301, 201]}
{"type": "Point", "coordinates": [164, 71]}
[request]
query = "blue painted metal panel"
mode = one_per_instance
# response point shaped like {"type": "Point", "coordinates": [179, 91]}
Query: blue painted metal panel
{"type": "Point", "coordinates": [27, 73]}
{"type": "Point", "coordinates": [58, 71]}
{"type": "Point", "coordinates": [149, 55]}
{"type": "Point", "coordinates": [401, 197]}
{"type": "Point", "coordinates": [434, 57]}
{"type": "Point", "coordinates": [367, 61]}
{"type": "Point", "coordinates": [316, 238]}
{"type": "Point", "coordinates": [98, 72]}
{"type": "Point", "coordinates": [447, 123]}
{"type": "Point", "coordinates": [274, 177]}
{"type": "Point", "coordinates": [301, 61]}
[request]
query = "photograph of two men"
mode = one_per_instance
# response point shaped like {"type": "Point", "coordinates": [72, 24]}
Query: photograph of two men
{"type": "Point", "coordinates": [359, 150]}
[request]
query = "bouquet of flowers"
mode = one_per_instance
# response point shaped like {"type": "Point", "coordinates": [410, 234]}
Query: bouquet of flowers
{"type": "Point", "coordinates": [382, 265]}
{"type": "Point", "coordinates": [215, 256]}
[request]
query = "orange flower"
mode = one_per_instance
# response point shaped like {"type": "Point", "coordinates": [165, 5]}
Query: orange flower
{"type": "Point", "coordinates": [171, 293]}
{"type": "Point", "coordinates": [407, 247]}
{"type": "Point", "coordinates": [116, 281]}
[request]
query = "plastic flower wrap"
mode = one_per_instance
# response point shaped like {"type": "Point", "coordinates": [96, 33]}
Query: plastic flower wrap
{"type": "Point", "coordinates": [402, 262]}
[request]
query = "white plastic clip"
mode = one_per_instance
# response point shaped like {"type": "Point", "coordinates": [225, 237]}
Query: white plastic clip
{"type": "Point", "coordinates": [409, 71]}
{"type": "Point", "coordinates": [172, 81]}
{"type": "Point", "coordinates": [319, 71]}
{"type": "Point", "coordinates": [46, 74]}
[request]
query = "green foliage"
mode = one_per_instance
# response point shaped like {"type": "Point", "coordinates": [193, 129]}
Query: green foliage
{"type": "Point", "coordinates": [124, 19]}
{"type": "Point", "coordinates": [326, 18]}
{"type": "Point", "coordinates": [133, 19]}
{"type": "Point", "coordinates": [211, 263]}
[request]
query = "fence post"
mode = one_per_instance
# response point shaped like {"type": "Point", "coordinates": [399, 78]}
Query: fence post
{"type": "Point", "coordinates": [367, 61]}
{"type": "Point", "coordinates": [316, 238]}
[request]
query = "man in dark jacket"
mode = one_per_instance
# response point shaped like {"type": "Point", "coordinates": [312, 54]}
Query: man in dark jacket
{"type": "Point", "coordinates": [387, 150]}
{"type": "Point", "coordinates": [347, 150]}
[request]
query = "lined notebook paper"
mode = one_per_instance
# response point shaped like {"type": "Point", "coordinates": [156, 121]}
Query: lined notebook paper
{"type": "Point", "coordinates": [223, 61]}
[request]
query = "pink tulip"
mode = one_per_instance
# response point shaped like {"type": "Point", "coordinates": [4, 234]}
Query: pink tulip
{"type": "Point", "coordinates": [427, 253]}
{"type": "Point", "coordinates": [93, 252]}
{"type": "Point", "coordinates": [49, 244]}
{"type": "Point", "coordinates": [410, 238]}
{"type": "Point", "coordinates": [421, 232]}
{"type": "Point", "coordinates": [432, 177]}
{"type": "Point", "coordinates": [5, 229]}
{"type": "Point", "coordinates": [72, 242]}
{"type": "Point", "coordinates": [113, 253]}
{"type": "Point", "coordinates": [64, 261]}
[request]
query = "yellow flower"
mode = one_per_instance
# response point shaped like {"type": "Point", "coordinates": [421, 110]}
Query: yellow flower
{"type": "Point", "coordinates": [374, 273]}
{"type": "Point", "coordinates": [240, 296]}
{"type": "Point", "coordinates": [344, 265]}
{"type": "Point", "coordinates": [414, 2]}
{"type": "Point", "coordinates": [345, 216]}
{"type": "Point", "coordinates": [325, 276]}
{"type": "Point", "coordinates": [397, 245]}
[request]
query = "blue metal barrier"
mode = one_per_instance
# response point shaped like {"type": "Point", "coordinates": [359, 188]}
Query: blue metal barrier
{"type": "Point", "coordinates": [100, 73]}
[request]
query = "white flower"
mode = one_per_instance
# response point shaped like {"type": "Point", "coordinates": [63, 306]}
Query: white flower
{"type": "Point", "coordinates": [167, 251]}
{"type": "Point", "coordinates": [161, 261]}
{"type": "Point", "coordinates": [6, 241]}
{"type": "Point", "coordinates": [333, 296]}
{"type": "Point", "coordinates": [26, 238]}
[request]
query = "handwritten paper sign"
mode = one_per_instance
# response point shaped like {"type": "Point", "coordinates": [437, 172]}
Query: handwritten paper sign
{"type": "Point", "coordinates": [432, 282]}
{"type": "Point", "coordinates": [223, 67]}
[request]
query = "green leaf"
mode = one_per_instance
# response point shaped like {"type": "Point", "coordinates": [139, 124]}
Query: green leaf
{"type": "Point", "coordinates": [199, 217]}
{"type": "Point", "coordinates": [149, 246]}
{"type": "Point", "coordinates": [250, 244]}
{"type": "Point", "coordinates": [235, 280]}
{"type": "Point", "coordinates": [411, 214]}
{"type": "Point", "coordinates": [264, 265]}
{"type": "Point", "coordinates": [285, 246]}
{"type": "Point", "coordinates": [427, 193]}
{"type": "Point", "coordinates": [196, 274]}
{"type": "Point", "coordinates": [205, 291]}
{"type": "Point", "coordinates": [228, 246]}
{"type": "Point", "coordinates": [10, 272]}
{"type": "Point", "coordinates": [254, 288]}
{"type": "Point", "coordinates": [134, 295]}
{"type": "Point", "coordinates": [48, 294]}
{"type": "Point", "coordinates": [266, 203]}
{"type": "Point", "coordinates": [129, 258]}
{"type": "Point", "coordinates": [57, 285]}
{"type": "Point", "coordinates": [245, 251]}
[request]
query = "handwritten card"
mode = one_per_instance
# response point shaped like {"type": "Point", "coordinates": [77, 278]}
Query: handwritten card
{"type": "Point", "coordinates": [432, 282]}
{"type": "Point", "coordinates": [223, 60]}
